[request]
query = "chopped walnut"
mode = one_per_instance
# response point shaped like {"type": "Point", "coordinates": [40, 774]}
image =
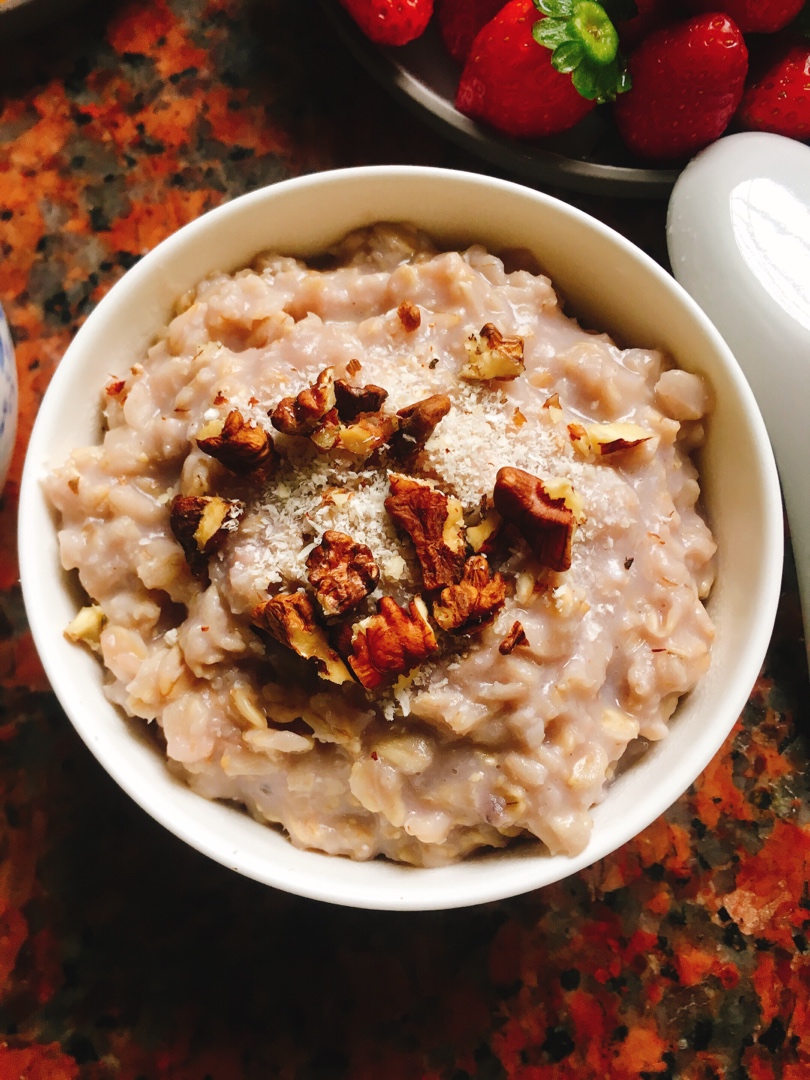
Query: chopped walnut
{"type": "Point", "coordinates": [417, 423]}
{"type": "Point", "coordinates": [434, 522]}
{"type": "Point", "coordinates": [515, 637]}
{"type": "Point", "coordinates": [353, 367]}
{"type": "Point", "coordinates": [355, 424]}
{"type": "Point", "coordinates": [353, 401]}
{"type": "Point", "coordinates": [290, 619]}
{"type": "Point", "coordinates": [390, 643]}
{"type": "Point", "coordinates": [471, 605]}
{"type": "Point", "coordinates": [342, 572]}
{"type": "Point", "coordinates": [240, 445]}
{"type": "Point", "coordinates": [86, 627]}
{"type": "Point", "coordinates": [366, 434]}
{"type": "Point", "coordinates": [483, 537]}
{"type": "Point", "coordinates": [301, 415]}
{"type": "Point", "coordinates": [490, 355]}
{"type": "Point", "coordinates": [546, 523]}
{"type": "Point", "coordinates": [409, 315]}
{"type": "Point", "coordinates": [200, 524]}
{"type": "Point", "coordinates": [603, 439]}
{"type": "Point", "coordinates": [325, 436]}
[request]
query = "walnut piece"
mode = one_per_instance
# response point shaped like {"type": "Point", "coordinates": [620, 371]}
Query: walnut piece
{"type": "Point", "coordinates": [490, 355]}
{"type": "Point", "coordinates": [390, 643]}
{"type": "Point", "coordinates": [409, 315]}
{"type": "Point", "coordinates": [515, 637]}
{"type": "Point", "coordinates": [86, 627]}
{"type": "Point", "coordinates": [604, 439]}
{"type": "Point", "coordinates": [546, 523]}
{"type": "Point", "coordinates": [434, 522]}
{"type": "Point", "coordinates": [353, 401]}
{"type": "Point", "coordinates": [326, 434]}
{"type": "Point", "coordinates": [483, 537]}
{"type": "Point", "coordinates": [200, 524]}
{"type": "Point", "coordinates": [342, 572]}
{"type": "Point", "coordinates": [115, 387]}
{"type": "Point", "coordinates": [290, 619]}
{"type": "Point", "coordinates": [301, 415]}
{"type": "Point", "coordinates": [417, 423]}
{"type": "Point", "coordinates": [367, 434]}
{"type": "Point", "coordinates": [471, 605]}
{"type": "Point", "coordinates": [240, 445]}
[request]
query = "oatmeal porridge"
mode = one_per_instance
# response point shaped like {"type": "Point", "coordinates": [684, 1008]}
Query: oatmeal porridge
{"type": "Point", "coordinates": [391, 552]}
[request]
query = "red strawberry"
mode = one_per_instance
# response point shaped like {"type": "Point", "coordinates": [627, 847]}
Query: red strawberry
{"type": "Point", "coordinates": [752, 16]}
{"type": "Point", "coordinates": [390, 22]}
{"type": "Point", "coordinates": [460, 20]}
{"type": "Point", "coordinates": [687, 82]}
{"type": "Point", "coordinates": [512, 82]}
{"type": "Point", "coordinates": [779, 99]}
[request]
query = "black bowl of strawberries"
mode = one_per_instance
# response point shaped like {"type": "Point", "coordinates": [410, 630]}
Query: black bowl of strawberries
{"type": "Point", "coordinates": [610, 97]}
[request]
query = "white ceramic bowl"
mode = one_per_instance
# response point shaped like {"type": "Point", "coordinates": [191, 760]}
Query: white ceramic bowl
{"type": "Point", "coordinates": [611, 285]}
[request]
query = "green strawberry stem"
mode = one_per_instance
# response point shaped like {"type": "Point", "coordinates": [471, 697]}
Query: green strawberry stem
{"type": "Point", "coordinates": [584, 43]}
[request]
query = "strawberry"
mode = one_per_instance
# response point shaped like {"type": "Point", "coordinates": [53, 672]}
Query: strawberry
{"type": "Point", "coordinates": [390, 22]}
{"type": "Point", "coordinates": [520, 88]}
{"type": "Point", "coordinates": [460, 20]}
{"type": "Point", "coordinates": [687, 82]}
{"type": "Point", "coordinates": [752, 16]}
{"type": "Point", "coordinates": [779, 99]}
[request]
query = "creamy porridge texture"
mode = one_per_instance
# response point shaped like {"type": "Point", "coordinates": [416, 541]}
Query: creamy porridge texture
{"type": "Point", "coordinates": [391, 551]}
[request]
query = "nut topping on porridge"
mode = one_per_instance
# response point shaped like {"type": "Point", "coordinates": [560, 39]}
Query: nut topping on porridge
{"type": "Point", "coordinates": [417, 423]}
{"type": "Point", "coordinates": [341, 572]}
{"type": "Point", "coordinates": [490, 355]}
{"type": "Point", "coordinates": [367, 434]}
{"type": "Point", "coordinates": [290, 619]}
{"type": "Point", "coordinates": [604, 439]}
{"type": "Point", "coordinates": [545, 523]}
{"type": "Point", "coordinates": [471, 605]}
{"type": "Point", "coordinates": [483, 536]}
{"type": "Point", "coordinates": [409, 315]}
{"type": "Point", "coordinates": [302, 414]}
{"type": "Point", "coordinates": [393, 642]}
{"type": "Point", "coordinates": [240, 445]}
{"type": "Point", "coordinates": [388, 533]}
{"type": "Point", "coordinates": [353, 401]}
{"type": "Point", "coordinates": [86, 627]}
{"type": "Point", "coordinates": [434, 522]}
{"type": "Point", "coordinates": [200, 524]}
{"type": "Point", "coordinates": [114, 387]}
{"type": "Point", "coordinates": [515, 637]}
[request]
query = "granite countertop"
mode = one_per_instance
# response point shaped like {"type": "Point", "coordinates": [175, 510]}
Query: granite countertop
{"type": "Point", "coordinates": [123, 954]}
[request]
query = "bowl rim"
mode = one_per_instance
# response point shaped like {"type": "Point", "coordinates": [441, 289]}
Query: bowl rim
{"type": "Point", "coordinates": [341, 884]}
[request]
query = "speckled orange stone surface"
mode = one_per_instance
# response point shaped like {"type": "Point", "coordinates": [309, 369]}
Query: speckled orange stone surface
{"type": "Point", "coordinates": [126, 956]}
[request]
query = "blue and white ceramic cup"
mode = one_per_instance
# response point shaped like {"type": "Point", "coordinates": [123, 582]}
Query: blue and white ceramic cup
{"type": "Point", "coordinates": [8, 398]}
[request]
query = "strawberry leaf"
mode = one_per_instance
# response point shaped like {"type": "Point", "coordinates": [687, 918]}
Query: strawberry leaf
{"type": "Point", "coordinates": [556, 9]}
{"type": "Point", "coordinates": [550, 32]}
{"type": "Point", "coordinates": [585, 45]}
{"type": "Point", "coordinates": [568, 56]}
{"type": "Point", "coordinates": [600, 83]}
